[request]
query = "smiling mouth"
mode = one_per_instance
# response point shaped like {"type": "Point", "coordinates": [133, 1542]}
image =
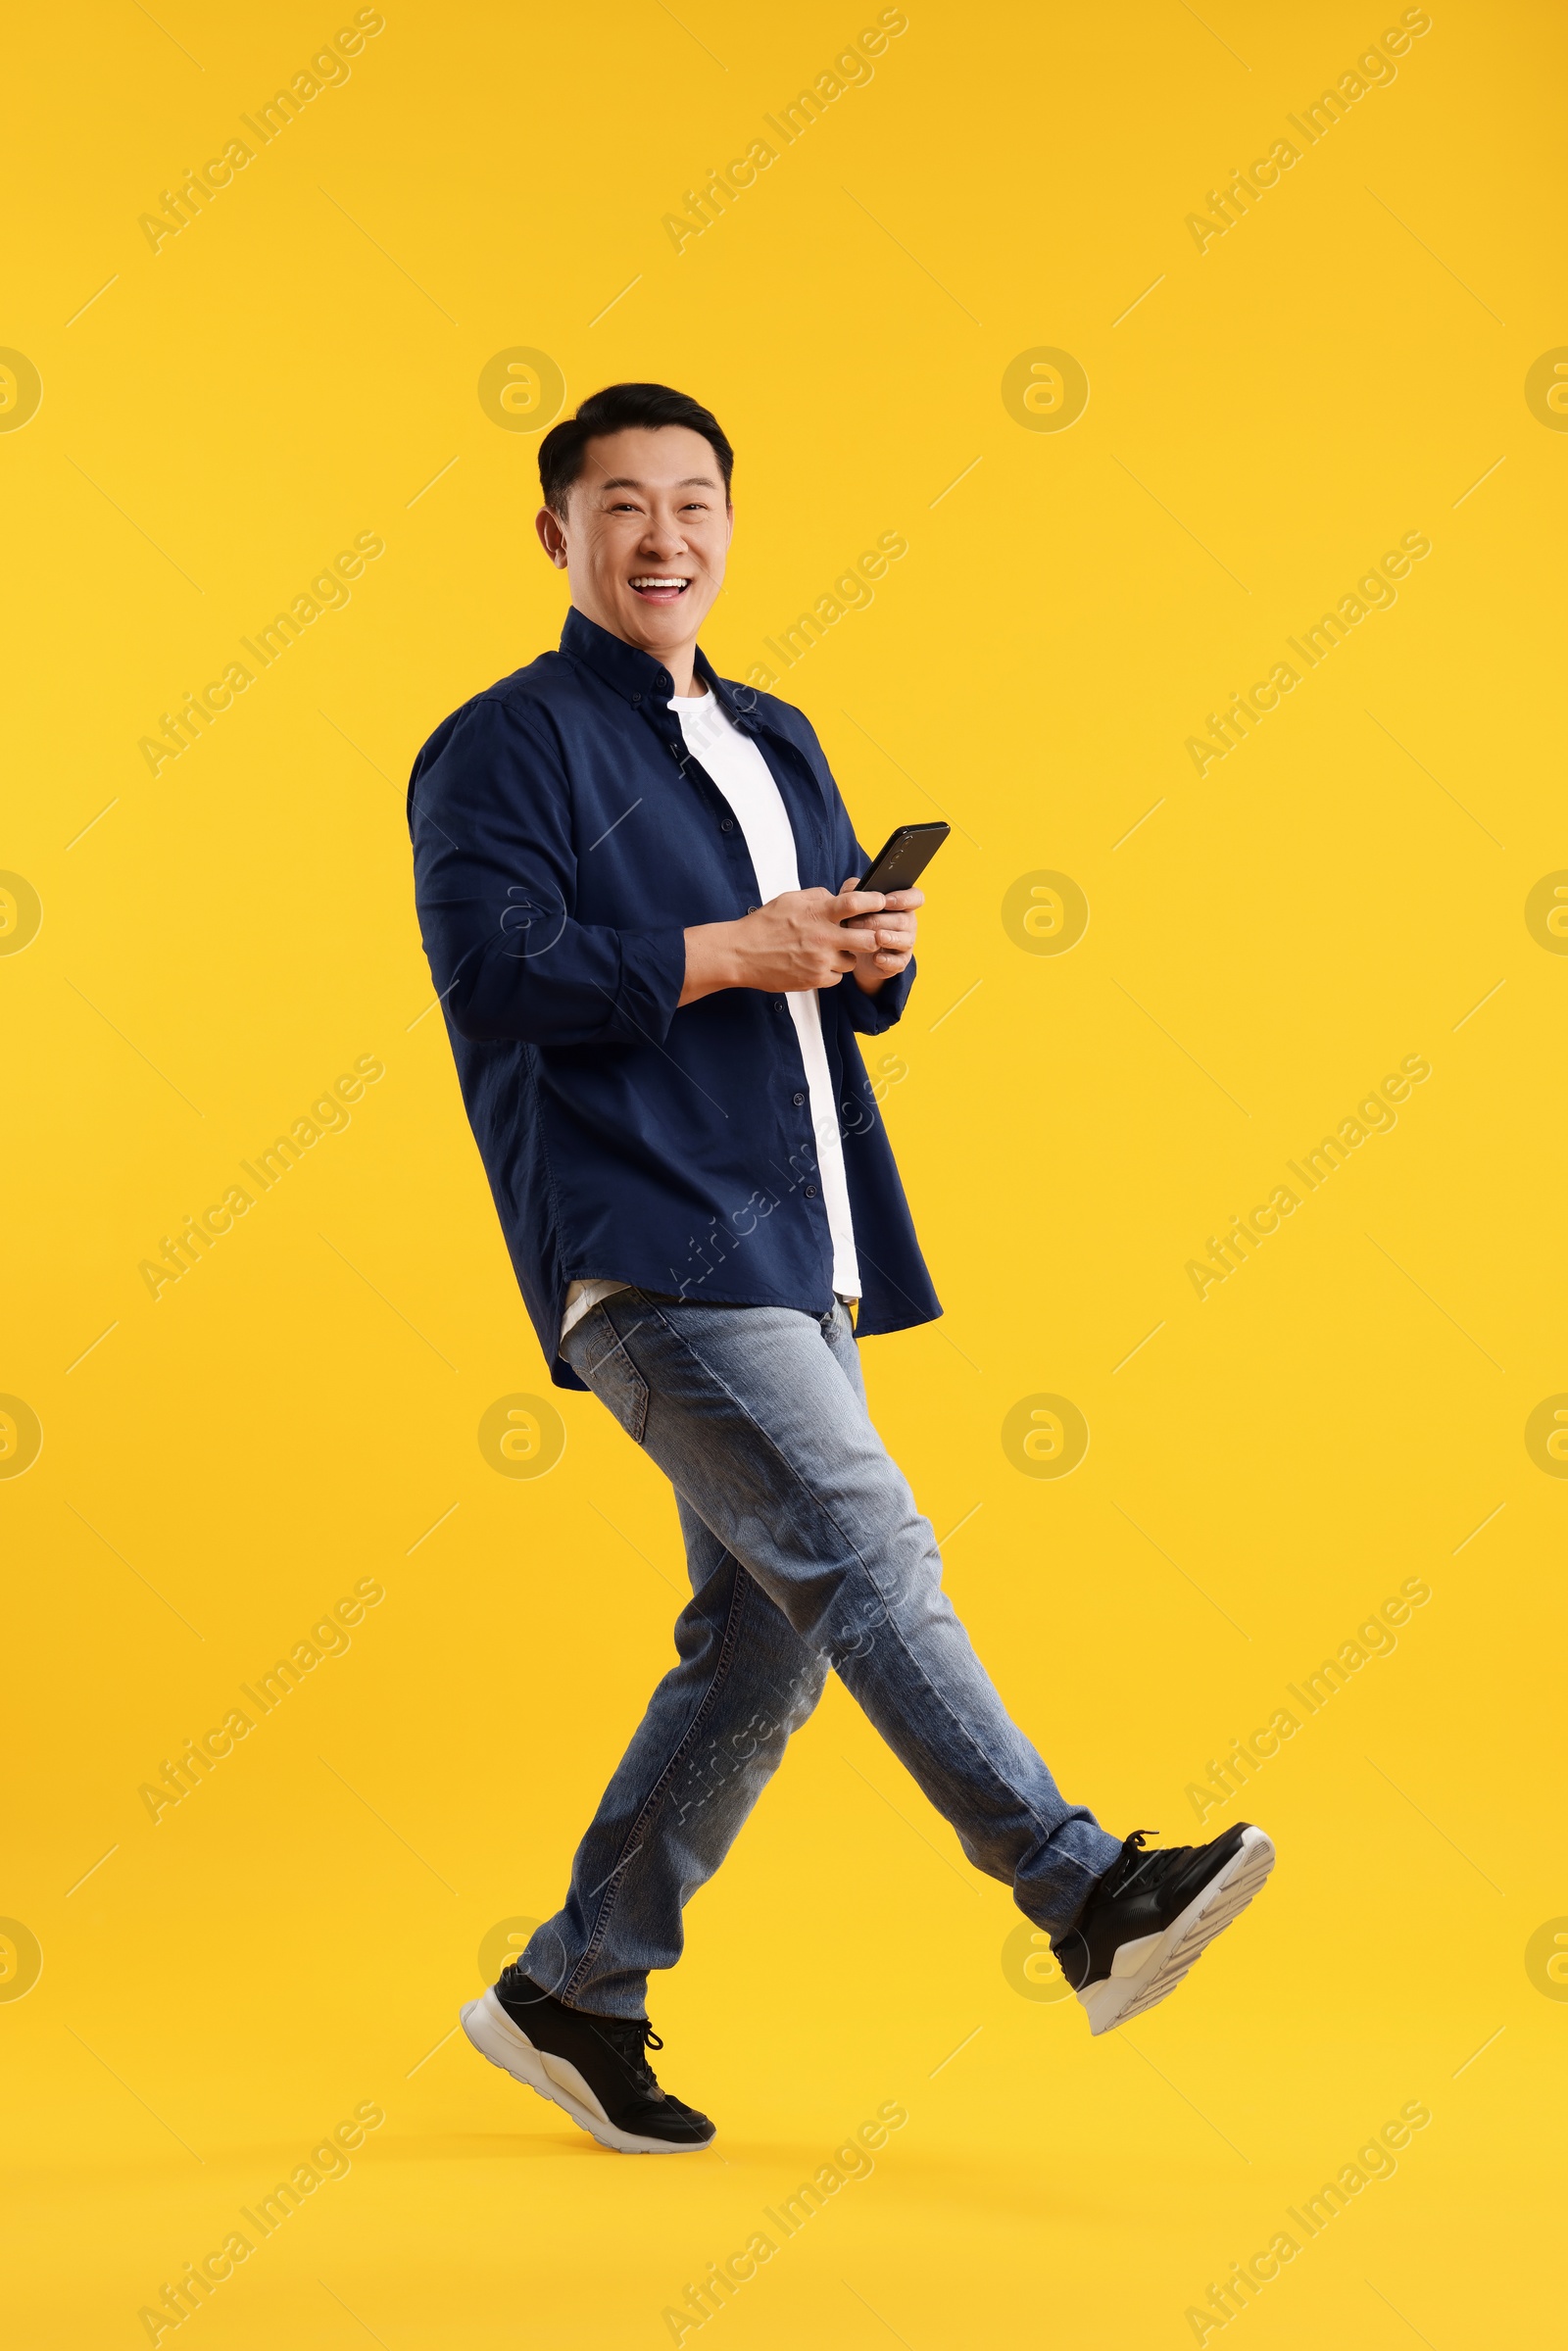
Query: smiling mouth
{"type": "Point", "coordinates": [660, 587]}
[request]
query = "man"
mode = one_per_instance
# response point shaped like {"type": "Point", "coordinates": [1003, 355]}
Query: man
{"type": "Point", "coordinates": [636, 882]}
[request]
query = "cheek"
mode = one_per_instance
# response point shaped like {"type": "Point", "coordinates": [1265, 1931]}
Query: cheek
{"type": "Point", "coordinates": [604, 557]}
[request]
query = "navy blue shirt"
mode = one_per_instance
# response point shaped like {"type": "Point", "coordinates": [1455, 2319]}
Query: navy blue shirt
{"type": "Point", "coordinates": [565, 838]}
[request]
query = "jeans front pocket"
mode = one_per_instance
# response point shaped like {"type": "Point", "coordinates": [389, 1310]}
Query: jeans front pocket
{"type": "Point", "coordinates": [596, 1355]}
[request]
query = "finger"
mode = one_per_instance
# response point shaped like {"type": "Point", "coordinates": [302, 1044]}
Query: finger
{"type": "Point", "coordinates": [851, 900]}
{"type": "Point", "coordinates": [897, 902]}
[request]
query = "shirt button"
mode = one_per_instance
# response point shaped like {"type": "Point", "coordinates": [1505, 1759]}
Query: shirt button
{"type": "Point", "coordinates": [811, 1192]}
{"type": "Point", "coordinates": [729, 825]}
{"type": "Point", "coordinates": [636, 698]}
{"type": "Point", "coordinates": [797, 1099]}
{"type": "Point", "coordinates": [779, 1005]}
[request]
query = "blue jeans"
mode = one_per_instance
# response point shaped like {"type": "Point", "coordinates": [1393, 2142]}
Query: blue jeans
{"type": "Point", "coordinates": [806, 1552]}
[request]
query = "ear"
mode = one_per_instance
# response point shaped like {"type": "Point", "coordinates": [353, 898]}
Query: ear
{"type": "Point", "coordinates": [551, 538]}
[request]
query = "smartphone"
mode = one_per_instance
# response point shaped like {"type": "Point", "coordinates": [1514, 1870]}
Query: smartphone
{"type": "Point", "coordinates": [904, 857]}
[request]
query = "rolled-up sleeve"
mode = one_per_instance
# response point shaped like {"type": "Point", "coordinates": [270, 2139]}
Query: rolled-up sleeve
{"type": "Point", "coordinates": [871, 1014]}
{"type": "Point", "coordinates": [496, 884]}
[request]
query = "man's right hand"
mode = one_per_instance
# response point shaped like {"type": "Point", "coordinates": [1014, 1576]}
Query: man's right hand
{"type": "Point", "coordinates": [794, 942]}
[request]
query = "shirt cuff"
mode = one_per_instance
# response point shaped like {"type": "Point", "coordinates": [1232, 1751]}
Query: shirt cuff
{"type": "Point", "coordinates": [653, 973]}
{"type": "Point", "coordinates": [871, 1014]}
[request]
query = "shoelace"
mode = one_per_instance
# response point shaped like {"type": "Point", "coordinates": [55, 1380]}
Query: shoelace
{"type": "Point", "coordinates": [1133, 1859]}
{"type": "Point", "coordinates": [631, 2038]}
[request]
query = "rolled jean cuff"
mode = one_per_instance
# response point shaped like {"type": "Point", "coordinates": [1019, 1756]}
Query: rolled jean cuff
{"type": "Point", "coordinates": [1077, 1857]}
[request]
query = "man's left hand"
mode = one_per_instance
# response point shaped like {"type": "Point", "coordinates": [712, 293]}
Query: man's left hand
{"type": "Point", "coordinates": [882, 944]}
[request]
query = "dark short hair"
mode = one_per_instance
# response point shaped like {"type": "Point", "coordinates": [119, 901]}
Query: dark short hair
{"type": "Point", "coordinates": [564, 448]}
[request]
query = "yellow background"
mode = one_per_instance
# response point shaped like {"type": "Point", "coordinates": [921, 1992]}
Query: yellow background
{"type": "Point", "coordinates": [302, 1408]}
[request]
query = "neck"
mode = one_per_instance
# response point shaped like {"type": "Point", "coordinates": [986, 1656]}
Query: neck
{"type": "Point", "coordinates": [681, 665]}
{"type": "Point", "coordinates": [680, 659]}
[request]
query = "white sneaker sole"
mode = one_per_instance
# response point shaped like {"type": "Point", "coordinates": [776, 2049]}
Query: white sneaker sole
{"type": "Point", "coordinates": [1143, 1972]}
{"type": "Point", "coordinates": [505, 2044]}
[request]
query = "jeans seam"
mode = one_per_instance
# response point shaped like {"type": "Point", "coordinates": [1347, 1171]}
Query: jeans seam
{"type": "Point", "coordinates": [792, 1471]}
{"type": "Point", "coordinates": [656, 1794]}
{"type": "Point", "coordinates": [751, 1418]}
{"type": "Point", "coordinates": [938, 1697]}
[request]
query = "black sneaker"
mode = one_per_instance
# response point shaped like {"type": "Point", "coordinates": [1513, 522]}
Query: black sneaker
{"type": "Point", "coordinates": [595, 2068]}
{"type": "Point", "coordinates": [1151, 1915]}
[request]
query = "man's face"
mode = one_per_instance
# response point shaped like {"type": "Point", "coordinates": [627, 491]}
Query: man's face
{"type": "Point", "coordinates": [644, 536]}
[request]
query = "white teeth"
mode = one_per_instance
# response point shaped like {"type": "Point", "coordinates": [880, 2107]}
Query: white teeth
{"type": "Point", "coordinates": [660, 584]}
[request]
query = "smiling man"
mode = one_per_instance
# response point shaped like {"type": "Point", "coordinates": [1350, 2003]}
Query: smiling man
{"type": "Point", "coordinates": [636, 887]}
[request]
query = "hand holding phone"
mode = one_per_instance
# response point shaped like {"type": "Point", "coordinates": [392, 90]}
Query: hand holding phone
{"type": "Point", "coordinates": [903, 857]}
{"type": "Point", "coordinates": [893, 872]}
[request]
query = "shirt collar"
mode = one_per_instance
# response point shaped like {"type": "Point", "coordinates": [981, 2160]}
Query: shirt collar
{"type": "Point", "coordinates": [637, 676]}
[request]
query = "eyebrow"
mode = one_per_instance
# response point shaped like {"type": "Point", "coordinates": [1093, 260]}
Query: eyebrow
{"type": "Point", "coordinates": [692, 481]}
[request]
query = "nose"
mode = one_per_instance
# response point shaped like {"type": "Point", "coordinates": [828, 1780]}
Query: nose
{"type": "Point", "coordinates": [663, 538]}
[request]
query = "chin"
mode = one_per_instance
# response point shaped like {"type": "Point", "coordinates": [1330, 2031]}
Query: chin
{"type": "Point", "coordinates": [661, 624]}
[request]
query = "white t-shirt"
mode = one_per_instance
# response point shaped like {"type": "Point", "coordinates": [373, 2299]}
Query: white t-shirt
{"type": "Point", "coordinates": [742, 775]}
